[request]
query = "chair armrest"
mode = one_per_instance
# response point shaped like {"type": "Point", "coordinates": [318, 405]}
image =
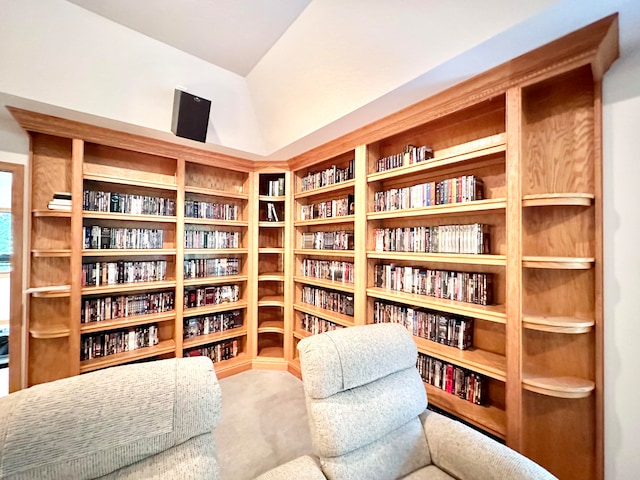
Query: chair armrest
{"type": "Point", "coordinates": [304, 467]}
{"type": "Point", "coordinates": [467, 454]}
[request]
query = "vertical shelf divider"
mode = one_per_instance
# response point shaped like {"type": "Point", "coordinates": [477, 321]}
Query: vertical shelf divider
{"type": "Point", "coordinates": [179, 268]}
{"type": "Point", "coordinates": [77, 159]}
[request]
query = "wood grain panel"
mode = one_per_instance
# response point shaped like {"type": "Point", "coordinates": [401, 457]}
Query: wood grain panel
{"type": "Point", "coordinates": [50, 169]}
{"type": "Point", "coordinates": [558, 231]}
{"type": "Point", "coordinates": [558, 293]}
{"type": "Point", "coordinates": [51, 352]}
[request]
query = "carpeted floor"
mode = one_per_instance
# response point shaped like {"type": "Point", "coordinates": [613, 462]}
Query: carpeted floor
{"type": "Point", "coordinates": [263, 424]}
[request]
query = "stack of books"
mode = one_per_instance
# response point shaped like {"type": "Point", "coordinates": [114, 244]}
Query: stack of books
{"type": "Point", "coordinates": [61, 201]}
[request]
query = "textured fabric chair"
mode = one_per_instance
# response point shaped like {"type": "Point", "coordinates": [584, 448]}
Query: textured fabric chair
{"type": "Point", "coordinates": [367, 412]}
{"type": "Point", "coordinates": [143, 421]}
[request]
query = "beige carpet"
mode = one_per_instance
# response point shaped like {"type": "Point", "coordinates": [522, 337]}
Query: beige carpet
{"type": "Point", "coordinates": [263, 424]}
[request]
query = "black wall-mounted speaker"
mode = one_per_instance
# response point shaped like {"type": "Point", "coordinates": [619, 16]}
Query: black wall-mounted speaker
{"type": "Point", "coordinates": [190, 116]}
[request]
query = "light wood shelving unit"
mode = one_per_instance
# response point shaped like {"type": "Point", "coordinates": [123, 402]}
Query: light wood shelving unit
{"type": "Point", "coordinates": [529, 129]}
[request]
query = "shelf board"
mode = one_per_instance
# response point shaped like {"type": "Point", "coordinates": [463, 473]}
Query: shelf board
{"type": "Point", "coordinates": [486, 417]}
{"type": "Point", "coordinates": [215, 251]}
{"type": "Point", "coordinates": [270, 198]}
{"type": "Point", "coordinates": [50, 331]}
{"type": "Point", "coordinates": [128, 217]}
{"type": "Point", "coordinates": [166, 346]}
{"type": "Point", "coordinates": [127, 322]}
{"type": "Point", "coordinates": [465, 258]}
{"type": "Point", "coordinates": [221, 279]}
{"type": "Point", "coordinates": [340, 319]}
{"type": "Point", "coordinates": [39, 213]}
{"type": "Point", "coordinates": [222, 307]}
{"type": "Point", "coordinates": [300, 334]}
{"type": "Point", "coordinates": [271, 352]}
{"type": "Point", "coordinates": [558, 199]}
{"type": "Point", "coordinates": [103, 178]}
{"type": "Point", "coordinates": [211, 221]}
{"type": "Point", "coordinates": [325, 221]}
{"type": "Point", "coordinates": [566, 325]}
{"type": "Point", "coordinates": [480, 361]}
{"type": "Point", "coordinates": [128, 287]}
{"type": "Point", "coordinates": [50, 291]}
{"type": "Point", "coordinates": [492, 313]}
{"type": "Point", "coordinates": [271, 301]}
{"type": "Point", "coordinates": [336, 187]}
{"type": "Point", "coordinates": [342, 286]}
{"type": "Point", "coordinates": [270, 250]}
{"type": "Point", "coordinates": [324, 253]}
{"type": "Point", "coordinates": [271, 224]}
{"type": "Point", "coordinates": [124, 252]}
{"type": "Point", "coordinates": [51, 253]}
{"type": "Point", "coordinates": [484, 147]}
{"type": "Point", "coordinates": [215, 193]}
{"type": "Point", "coordinates": [478, 206]}
{"type": "Point", "coordinates": [271, 277]}
{"type": "Point", "coordinates": [558, 263]}
{"type": "Point", "coordinates": [561, 387]}
{"type": "Point", "coordinates": [214, 337]}
{"type": "Point", "coordinates": [271, 326]}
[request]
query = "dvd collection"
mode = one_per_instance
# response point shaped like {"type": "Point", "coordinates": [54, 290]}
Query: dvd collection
{"type": "Point", "coordinates": [334, 270]}
{"type": "Point", "coordinates": [339, 207]}
{"type": "Point", "coordinates": [451, 330]}
{"type": "Point", "coordinates": [451, 378]}
{"type": "Point", "coordinates": [97, 201]}
{"type": "Point", "coordinates": [211, 239]}
{"type": "Point", "coordinates": [104, 344]}
{"type": "Point", "coordinates": [217, 352]}
{"type": "Point", "coordinates": [206, 324]}
{"type": "Point", "coordinates": [339, 240]}
{"type": "Point", "coordinates": [210, 267]}
{"type": "Point", "coordinates": [275, 188]}
{"type": "Point", "coordinates": [202, 296]}
{"type": "Point", "coordinates": [314, 325]}
{"type": "Point", "coordinates": [328, 300]}
{"type": "Point", "coordinates": [329, 176]}
{"type": "Point", "coordinates": [105, 238]}
{"type": "Point", "coordinates": [470, 287]}
{"type": "Point", "coordinates": [409, 156]}
{"type": "Point", "coordinates": [213, 211]}
{"type": "Point", "coordinates": [272, 213]}
{"type": "Point", "coordinates": [472, 238]}
{"type": "Point", "coordinates": [121, 306]}
{"type": "Point", "coordinates": [112, 273]}
{"type": "Point", "coordinates": [467, 188]}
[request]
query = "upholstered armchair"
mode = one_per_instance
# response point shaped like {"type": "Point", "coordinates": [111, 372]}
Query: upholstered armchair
{"type": "Point", "coordinates": [367, 412]}
{"type": "Point", "coordinates": [143, 421]}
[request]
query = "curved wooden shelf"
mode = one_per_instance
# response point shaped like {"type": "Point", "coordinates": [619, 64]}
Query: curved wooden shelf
{"type": "Point", "coordinates": [166, 346]}
{"type": "Point", "coordinates": [566, 325]}
{"type": "Point", "coordinates": [486, 417]}
{"type": "Point", "coordinates": [270, 250]}
{"type": "Point", "coordinates": [269, 198]}
{"type": "Point", "coordinates": [50, 291]}
{"type": "Point", "coordinates": [97, 177]}
{"type": "Point", "coordinates": [40, 213]}
{"type": "Point", "coordinates": [212, 221]}
{"type": "Point", "coordinates": [340, 319]}
{"type": "Point", "coordinates": [128, 217]}
{"type": "Point", "coordinates": [324, 253]}
{"type": "Point", "coordinates": [478, 206]}
{"type": "Point", "coordinates": [271, 301]}
{"type": "Point", "coordinates": [558, 199]}
{"type": "Point", "coordinates": [271, 352]}
{"type": "Point", "coordinates": [214, 337]}
{"type": "Point", "coordinates": [480, 361]}
{"type": "Point", "coordinates": [50, 331]}
{"type": "Point", "coordinates": [215, 251]}
{"type": "Point", "coordinates": [216, 193]}
{"type": "Point", "coordinates": [124, 252]}
{"type": "Point", "coordinates": [271, 277]}
{"type": "Point", "coordinates": [222, 307]}
{"type": "Point", "coordinates": [560, 387]}
{"type": "Point", "coordinates": [91, 327]}
{"type": "Point", "coordinates": [51, 253]}
{"type": "Point", "coordinates": [271, 326]}
{"type": "Point", "coordinates": [331, 284]}
{"type": "Point", "coordinates": [221, 279]}
{"type": "Point", "coordinates": [325, 221]}
{"type": "Point", "coordinates": [128, 287]}
{"type": "Point", "coordinates": [492, 146]}
{"type": "Point", "coordinates": [492, 313]}
{"type": "Point", "coordinates": [465, 258]}
{"type": "Point", "coordinates": [271, 224]}
{"type": "Point", "coordinates": [558, 263]}
{"type": "Point", "coordinates": [336, 187]}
